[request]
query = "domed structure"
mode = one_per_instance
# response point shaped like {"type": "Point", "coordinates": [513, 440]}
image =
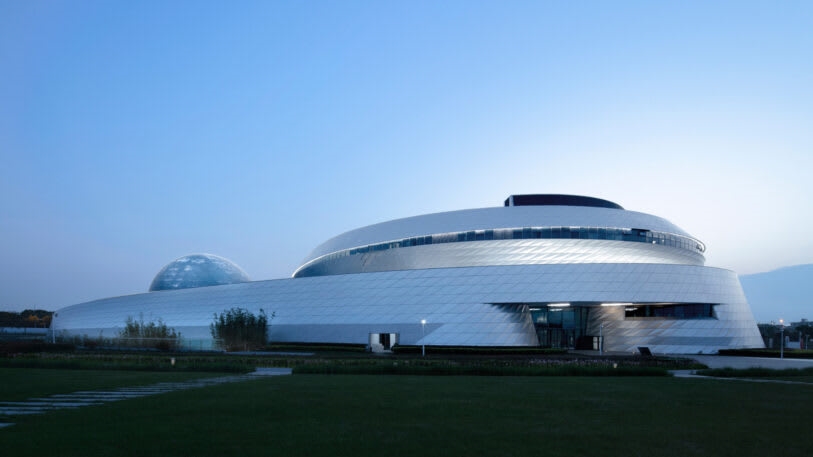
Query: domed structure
{"type": "Point", "coordinates": [198, 270]}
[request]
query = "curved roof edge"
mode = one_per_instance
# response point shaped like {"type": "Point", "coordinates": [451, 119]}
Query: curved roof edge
{"type": "Point", "coordinates": [493, 218]}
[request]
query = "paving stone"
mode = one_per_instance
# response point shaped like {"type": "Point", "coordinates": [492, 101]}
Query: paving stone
{"type": "Point", "coordinates": [20, 412]}
{"type": "Point", "coordinates": [272, 371]}
{"type": "Point", "coordinates": [93, 397]}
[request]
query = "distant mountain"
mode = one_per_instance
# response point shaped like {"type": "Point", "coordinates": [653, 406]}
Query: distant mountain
{"type": "Point", "coordinates": [786, 293]}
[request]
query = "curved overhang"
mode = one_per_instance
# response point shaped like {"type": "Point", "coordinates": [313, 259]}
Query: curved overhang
{"type": "Point", "coordinates": [493, 218]}
{"type": "Point", "coordinates": [499, 252]}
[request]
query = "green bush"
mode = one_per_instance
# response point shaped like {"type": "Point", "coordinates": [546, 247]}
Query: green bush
{"type": "Point", "coordinates": [756, 372]}
{"type": "Point", "coordinates": [238, 329]}
{"type": "Point", "coordinates": [313, 347]}
{"type": "Point", "coordinates": [478, 350]}
{"type": "Point", "coordinates": [789, 353]}
{"type": "Point", "coordinates": [128, 363]}
{"type": "Point", "coordinates": [455, 370]}
{"type": "Point", "coordinates": [21, 347]}
{"type": "Point", "coordinates": [86, 342]}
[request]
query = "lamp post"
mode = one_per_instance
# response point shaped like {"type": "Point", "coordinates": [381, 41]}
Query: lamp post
{"type": "Point", "coordinates": [601, 339]}
{"type": "Point", "coordinates": [423, 334]}
{"type": "Point", "coordinates": [781, 338]}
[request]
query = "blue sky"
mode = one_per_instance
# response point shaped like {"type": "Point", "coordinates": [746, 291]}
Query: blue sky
{"type": "Point", "coordinates": [133, 133]}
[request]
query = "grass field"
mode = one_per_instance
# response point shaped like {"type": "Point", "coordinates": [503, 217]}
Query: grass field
{"type": "Point", "coordinates": [791, 374]}
{"type": "Point", "coordinates": [17, 384]}
{"type": "Point", "coordinates": [304, 415]}
{"type": "Point", "coordinates": [805, 379]}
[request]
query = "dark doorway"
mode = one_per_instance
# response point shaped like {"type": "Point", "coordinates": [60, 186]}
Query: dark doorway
{"type": "Point", "coordinates": [384, 340]}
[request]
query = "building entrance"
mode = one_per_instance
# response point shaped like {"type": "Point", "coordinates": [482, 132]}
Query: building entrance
{"type": "Point", "coordinates": [380, 342]}
{"type": "Point", "coordinates": [560, 325]}
{"type": "Point", "coordinates": [556, 337]}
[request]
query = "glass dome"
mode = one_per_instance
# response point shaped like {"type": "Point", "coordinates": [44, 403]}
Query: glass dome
{"type": "Point", "coordinates": [198, 270]}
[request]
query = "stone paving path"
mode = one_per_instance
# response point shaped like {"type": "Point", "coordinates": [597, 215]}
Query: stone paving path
{"type": "Point", "coordinates": [98, 397]}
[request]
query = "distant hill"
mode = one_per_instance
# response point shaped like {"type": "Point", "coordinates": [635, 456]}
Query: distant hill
{"type": "Point", "coordinates": [786, 293]}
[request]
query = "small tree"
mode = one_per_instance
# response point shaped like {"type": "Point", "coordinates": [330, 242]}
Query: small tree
{"type": "Point", "coordinates": [239, 329]}
{"type": "Point", "coordinates": [150, 334]}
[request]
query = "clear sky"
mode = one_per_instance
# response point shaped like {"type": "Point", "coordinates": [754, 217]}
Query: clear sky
{"type": "Point", "coordinates": [135, 132]}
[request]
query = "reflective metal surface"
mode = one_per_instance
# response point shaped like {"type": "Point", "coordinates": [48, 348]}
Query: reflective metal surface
{"type": "Point", "coordinates": [470, 292]}
{"type": "Point", "coordinates": [462, 306]}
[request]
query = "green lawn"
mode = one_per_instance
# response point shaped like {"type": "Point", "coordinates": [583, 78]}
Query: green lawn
{"type": "Point", "coordinates": [804, 375]}
{"type": "Point", "coordinates": [17, 384]}
{"type": "Point", "coordinates": [304, 415]}
{"type": "Point", "coordinates": [805, 379]}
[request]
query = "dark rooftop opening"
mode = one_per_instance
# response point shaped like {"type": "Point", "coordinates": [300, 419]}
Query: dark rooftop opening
{"type": "Point", "coordinates": [558, 200]}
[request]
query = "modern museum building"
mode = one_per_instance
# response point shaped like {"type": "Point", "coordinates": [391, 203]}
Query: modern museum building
{"type": "Point", "coordinates": [542, 270]}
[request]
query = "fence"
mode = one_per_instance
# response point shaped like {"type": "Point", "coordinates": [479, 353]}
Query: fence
{"type": "Point", "coordinates": [23, 333]}
{"type": "Point", "coordinates": [138, 343]}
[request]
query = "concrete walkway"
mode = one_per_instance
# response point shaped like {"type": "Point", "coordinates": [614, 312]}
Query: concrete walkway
{"type": "Point", "coordinates": [691, 374]}
{"type": "Point", "coordinates": [739, 363]}
{"type": "Point", "coordinates": [98, 397]}
{"type": "Point", "coordinates": [719, 361]}
{"type": "Point", "coordinates": [271, 371]}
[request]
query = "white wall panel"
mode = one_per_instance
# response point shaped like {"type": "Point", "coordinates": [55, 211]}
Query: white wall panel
{"type": "Point", "coordinates": [313, 309]}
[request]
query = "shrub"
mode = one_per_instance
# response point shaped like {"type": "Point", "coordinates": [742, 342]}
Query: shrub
{"type": "Point", "coordinates": [789, 353]}
{"type": "Point", "coordinates": [320, 347]}
{"type": "Point", "coordinates": [454, 370]}
{"type": "Point", "coordinates": [756, 372]}
{"type": "Point", "coordinates": [158, 335]}
{"type": "Point", "coordinates": [21, 347]}
{"type": "Point", "coordinates": [239, 329]}
{"type": "Point", "coordinates": [478, 350]}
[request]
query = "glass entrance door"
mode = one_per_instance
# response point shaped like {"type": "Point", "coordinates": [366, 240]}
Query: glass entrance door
{"type": "Point", "coordinates": [559, 327]}
{"type": "Point", "coordinates": [556, 337]}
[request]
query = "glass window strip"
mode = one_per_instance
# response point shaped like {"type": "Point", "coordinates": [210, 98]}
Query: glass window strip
{"type": "Point", "coordinates": [670, 311]}
{"type": "Point", "coordinates": [552, 232]}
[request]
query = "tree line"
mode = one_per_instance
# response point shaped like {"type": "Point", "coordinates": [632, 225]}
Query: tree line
{"type": "Point", "coordinates": [30, 318]}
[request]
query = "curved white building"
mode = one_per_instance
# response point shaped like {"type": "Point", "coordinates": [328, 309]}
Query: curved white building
{"type": "Point", "coordinates": [550, 270]}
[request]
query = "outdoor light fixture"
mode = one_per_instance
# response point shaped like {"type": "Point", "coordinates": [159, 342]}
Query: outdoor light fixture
{"type": "Point", "coordinates": [423, 335]}
{"type": "Point", "coordinates": [601, 339]}
{"type": "Point", "coordinates": [558, 305]}
{"type": "Point", "coordinates": [781, 338]}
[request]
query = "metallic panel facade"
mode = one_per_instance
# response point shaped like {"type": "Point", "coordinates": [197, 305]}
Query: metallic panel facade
{"type": "Point", "coordinates": [478, 306]}
{"type": "Point", "coordinates": [477, 293]}
{"type": "Point", "coordinates": [501, 252]}
{"type": "Point", "coordinates": [493, 218]}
